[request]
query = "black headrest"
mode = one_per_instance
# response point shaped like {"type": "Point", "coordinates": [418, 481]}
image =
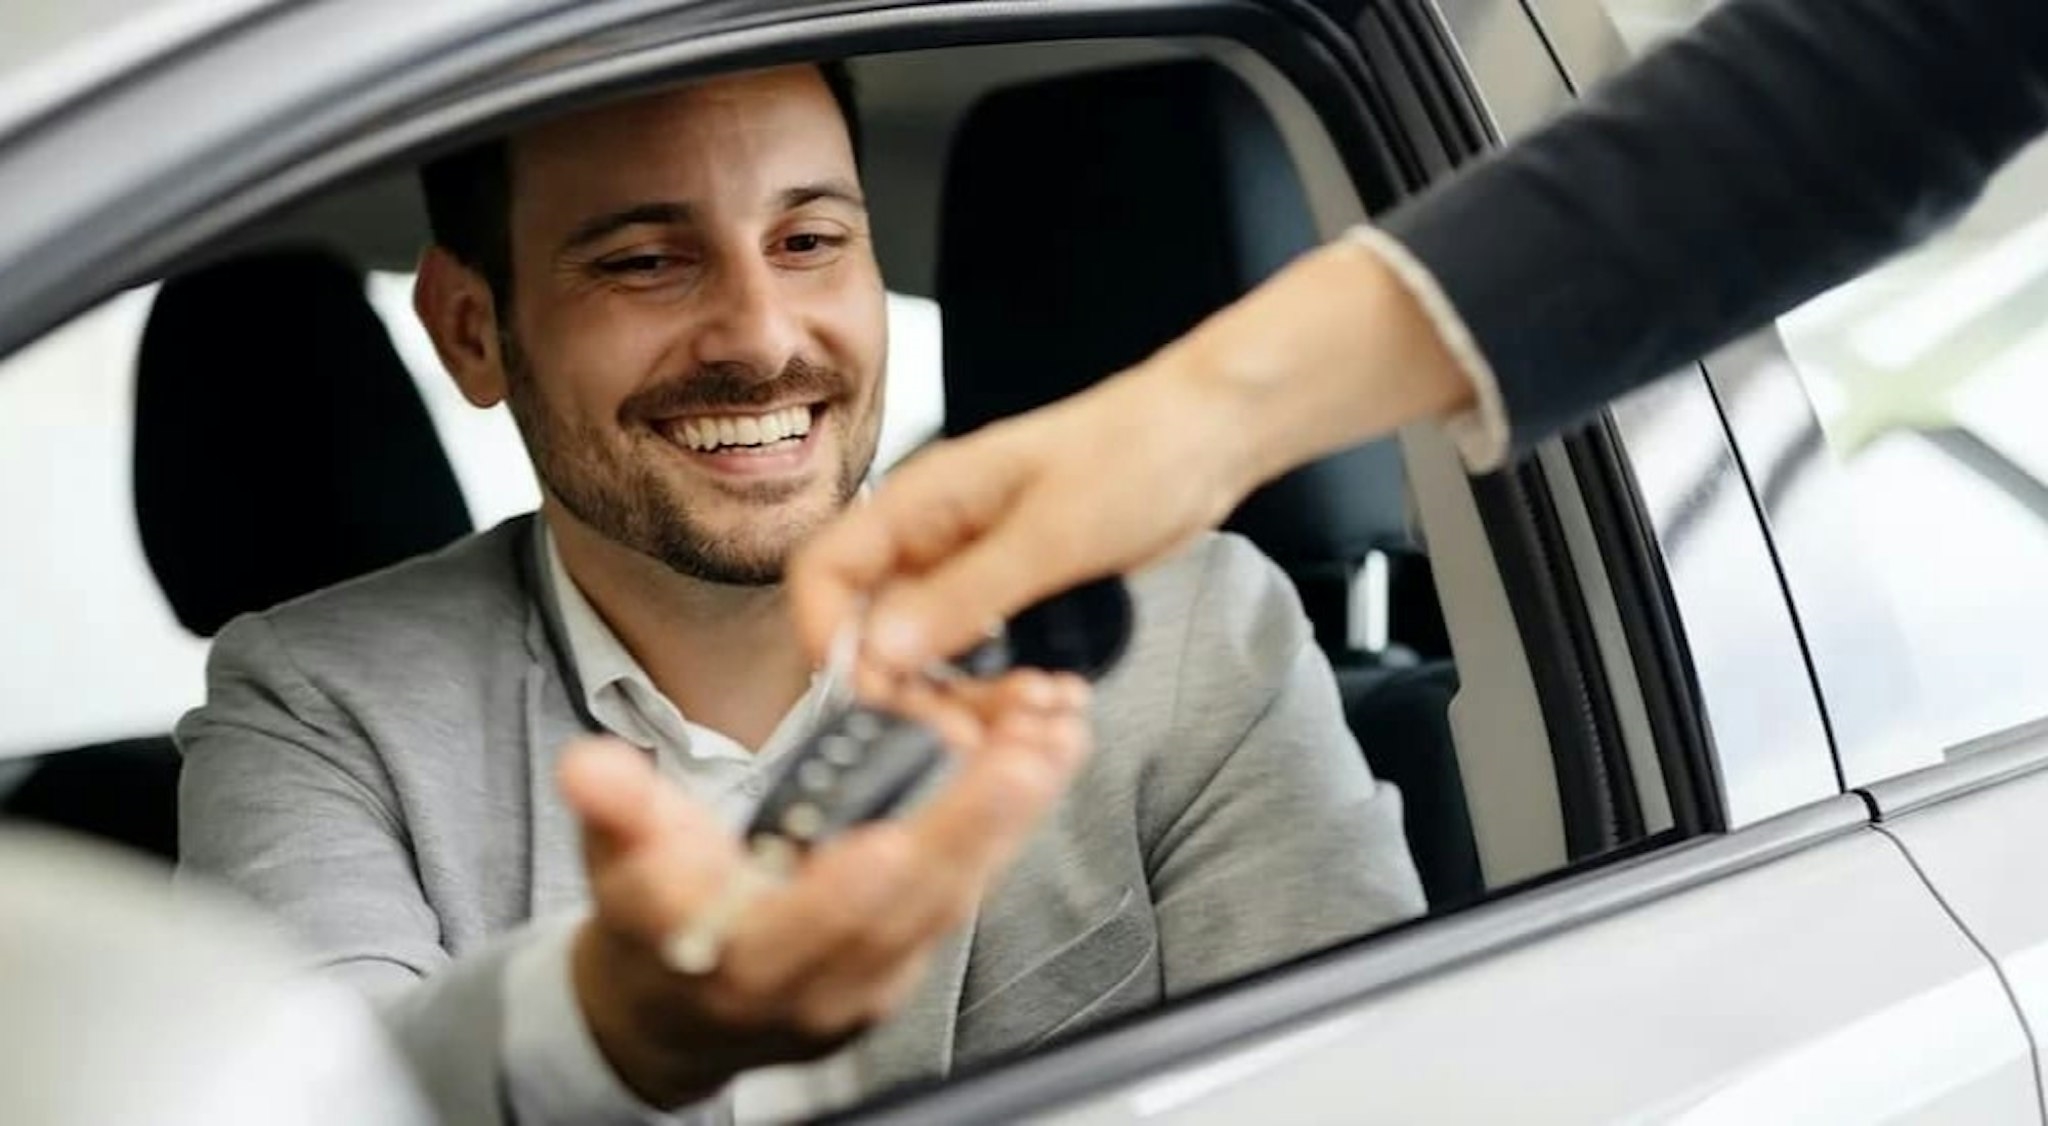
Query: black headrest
{"type": "Point", "coordinates": [280, 444]}
{"type": "Point", "coordinates": [1089, 220]}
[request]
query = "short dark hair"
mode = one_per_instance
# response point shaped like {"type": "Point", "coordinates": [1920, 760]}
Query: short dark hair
{"type": "Point", "coordinates": [469, 194]}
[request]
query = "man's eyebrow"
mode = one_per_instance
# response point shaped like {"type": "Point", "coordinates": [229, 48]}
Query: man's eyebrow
{"type": "Point", "coordinates": [664, 213]}
{"type": "Point", "coordinates": [842, 191]}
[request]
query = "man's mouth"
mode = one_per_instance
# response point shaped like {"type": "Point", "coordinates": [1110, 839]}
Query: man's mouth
{"type": "Point", "coordinates": [767, 432]}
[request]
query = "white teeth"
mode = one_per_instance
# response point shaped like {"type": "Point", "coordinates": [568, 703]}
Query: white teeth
{"type": "Point", "coordinates": [705, 434]}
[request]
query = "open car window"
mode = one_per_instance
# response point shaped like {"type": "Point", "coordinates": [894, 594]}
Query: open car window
{"type": "Point", "coordinates": [1434, 727]}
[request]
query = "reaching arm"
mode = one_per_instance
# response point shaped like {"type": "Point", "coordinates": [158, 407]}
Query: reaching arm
{"type": "Point", "coordinates": [1777, 148]}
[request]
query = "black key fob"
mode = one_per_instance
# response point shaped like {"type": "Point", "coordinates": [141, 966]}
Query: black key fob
{"type": "Point", "coordinates": [858, 768]}
{"type": "Point", "coordinates": [864, 763]}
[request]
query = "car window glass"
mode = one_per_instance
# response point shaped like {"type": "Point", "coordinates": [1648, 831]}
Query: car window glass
{"type": "Point", "coordinates": [1927, 374]}
{"type": "Point", "coordinates": [1643, 23]}
{"type": "Point", "coordinates": [90, 648]}
{"type": "Point", "coordinates": [1928, 377]}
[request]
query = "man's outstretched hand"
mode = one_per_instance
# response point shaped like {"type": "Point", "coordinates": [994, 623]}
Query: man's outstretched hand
{"type": "Point", "coordinates": [812, 962]}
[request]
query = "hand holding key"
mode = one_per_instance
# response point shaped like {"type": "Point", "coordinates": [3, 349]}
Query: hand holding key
{"type": "Point", "coordinates": [815, 959]}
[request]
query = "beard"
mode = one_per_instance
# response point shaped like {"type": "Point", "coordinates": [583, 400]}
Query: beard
{"type": "Point", "coordinates": [609, 478]}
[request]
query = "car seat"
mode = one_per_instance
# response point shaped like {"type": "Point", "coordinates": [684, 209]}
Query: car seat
{"type": "Point", "coordinates": [1087, 220]}
{"type": "Point", "coordinates": [281, 446]}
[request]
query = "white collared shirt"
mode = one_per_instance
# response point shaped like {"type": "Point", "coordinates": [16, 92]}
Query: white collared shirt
{"type": "Point", "coordinates": [712, 766]}
{"type": "Point", "coordinates": [557, 1073]}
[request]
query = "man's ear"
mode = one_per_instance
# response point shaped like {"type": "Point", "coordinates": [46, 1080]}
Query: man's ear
{"type": "Point", "coordinates": [455, 304]}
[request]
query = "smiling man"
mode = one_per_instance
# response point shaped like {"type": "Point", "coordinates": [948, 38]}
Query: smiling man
{"type": "Point", "coordinates": [679, 299]}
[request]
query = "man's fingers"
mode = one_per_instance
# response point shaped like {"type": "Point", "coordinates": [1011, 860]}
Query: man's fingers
{"type": "Point", "coordinates": [974, 826]}
{"type": "Point", "coordinates": [886, 891]}
{"type": "Point", "coordinates": [836, 904]}
{"type": "Point", "coordinates": [997, 795]}
{"type": "Point", "coordinates": [611, 787]}
{"type": "Point", "coordinates": [654, 855]}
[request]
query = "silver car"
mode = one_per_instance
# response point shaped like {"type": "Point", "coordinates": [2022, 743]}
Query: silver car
{"type": "Point", "coordinates": [1720, 722]}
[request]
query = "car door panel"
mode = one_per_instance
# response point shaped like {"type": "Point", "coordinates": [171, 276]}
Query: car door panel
{"type": "Point", "coordinates": [1986, 852]}
{"type": "Point", "coordinates": [1827, 986]}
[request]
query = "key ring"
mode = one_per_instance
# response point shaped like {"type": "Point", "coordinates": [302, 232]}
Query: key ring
{"type": "Point", "coordinates": [696, 947]}
{"type": "Point", "coordinates": [839, 661]}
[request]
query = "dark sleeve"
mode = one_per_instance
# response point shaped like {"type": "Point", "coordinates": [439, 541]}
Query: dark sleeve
{"type": "Point", "coordinates": [1776, 149]}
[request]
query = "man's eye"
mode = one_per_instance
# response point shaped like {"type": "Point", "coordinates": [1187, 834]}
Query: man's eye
{"type": "Point", "coordinates": [636, 264]}
{"type": "Point", "coordinates": [811, 243]}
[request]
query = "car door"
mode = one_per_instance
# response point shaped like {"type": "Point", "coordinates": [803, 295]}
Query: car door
{"type": "Point", "coordinates": [1894, 432]}
{"type": "Point", "coordinates": [1793, 966]}
{"type": "Point", "coordinates": [1894, 428]}
{"type": "Point", "coordinates": [1614, 606]}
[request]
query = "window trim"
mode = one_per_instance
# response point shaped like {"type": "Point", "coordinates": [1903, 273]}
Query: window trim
{"type": "Point", "coordinates": [1726, 784]}
{"type": "Point", "coordinates": [1320, 985]}
{"type": "Point", "coordinates": [1980, 764]}
{"type": "Point", "coordinates": [84, 67]}
{"type": "Point", "coordinates": [436, 73]}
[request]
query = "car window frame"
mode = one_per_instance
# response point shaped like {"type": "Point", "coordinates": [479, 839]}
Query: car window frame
{"type": "Point", "coordinates": [1858, 651]}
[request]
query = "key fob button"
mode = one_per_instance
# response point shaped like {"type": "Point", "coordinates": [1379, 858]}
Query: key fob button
{"type": "Point", "coordinates": [816, 776]}
{"type": "Point", "coordinates": [803, 821]}
{"type": "Point", "coordinates": [842, 750]}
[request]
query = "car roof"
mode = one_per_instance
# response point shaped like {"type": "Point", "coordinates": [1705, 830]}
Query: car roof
{"type": "Point", "coordinates": [53, 54]}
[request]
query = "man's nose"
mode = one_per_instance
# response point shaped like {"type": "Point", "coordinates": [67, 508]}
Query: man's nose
{"type": "Point", "coordinates": [749, 321]}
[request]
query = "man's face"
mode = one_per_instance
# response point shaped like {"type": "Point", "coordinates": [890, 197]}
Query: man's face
{"type": "Point", "coordinates": [695, 347]}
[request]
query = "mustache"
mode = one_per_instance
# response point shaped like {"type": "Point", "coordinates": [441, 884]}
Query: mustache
{"type": "Point", "coordinates": [734, 386]}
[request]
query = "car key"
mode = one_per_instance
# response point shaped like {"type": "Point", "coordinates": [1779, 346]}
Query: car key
{"type": "Point", "coordinates": [859, 767]}
{"type": "Point", "coordinates": [864, 762]}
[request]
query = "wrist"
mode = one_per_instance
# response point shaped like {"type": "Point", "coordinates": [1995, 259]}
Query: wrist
{"type": "Point", "coordinates": [1332, 351]}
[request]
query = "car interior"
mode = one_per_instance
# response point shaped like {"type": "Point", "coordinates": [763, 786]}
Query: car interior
{"type": "Point", "coordinates": [1151, 184]}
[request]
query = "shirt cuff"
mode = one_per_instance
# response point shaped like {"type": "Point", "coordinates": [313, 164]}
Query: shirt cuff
{"type": "Point", "coordinates": [1480, 432]}
{"type": "Point", "coordinates": [554, 1072]}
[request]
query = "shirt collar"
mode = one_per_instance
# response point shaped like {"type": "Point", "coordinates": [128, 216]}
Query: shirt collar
{"type": "Point", "coordinates": [621, 696]}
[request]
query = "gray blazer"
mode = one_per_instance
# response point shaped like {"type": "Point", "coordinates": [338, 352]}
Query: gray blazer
{"type": "Point", "coordinates": [373, 763]}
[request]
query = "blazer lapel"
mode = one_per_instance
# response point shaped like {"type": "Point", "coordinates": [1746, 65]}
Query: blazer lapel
{"type": "Point", "coordinates": [557, 858]}
{"type": "Point", "coordinates": [917, 1043]}
{"type": "Point", "coordinates": [555, 714]}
